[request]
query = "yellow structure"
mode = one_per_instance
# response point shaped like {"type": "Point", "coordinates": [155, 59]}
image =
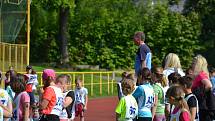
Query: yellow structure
{"type": "Point", "coordinates": [14, 50]}
{"type": "Point", "coordinates": [97, 83]}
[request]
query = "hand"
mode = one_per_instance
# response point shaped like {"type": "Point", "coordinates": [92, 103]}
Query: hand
{"type": "Point", "coordinates": [85, 108]}
{"type": "Point", "coordinates": [41, 91]}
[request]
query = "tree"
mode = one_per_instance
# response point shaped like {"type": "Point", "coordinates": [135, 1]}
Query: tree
{"type": "Point", "coordinates": [205, 10]}
{"type": "Point", "coordinates": [63, 7]}
{"type": "Point", "coordinates": [99, 32]}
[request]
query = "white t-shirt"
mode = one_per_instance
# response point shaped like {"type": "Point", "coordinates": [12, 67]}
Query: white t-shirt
{"type": "Point", "coordinates": [80, 95]}
{"type": "Point", "coordinates": [168, 71]}
{"type": "Point", "coordinates": [64, 114]}
{"type": "Point", "coordinates": [4, 98]}
{"type": "Point", "coordinates": [59, 101]}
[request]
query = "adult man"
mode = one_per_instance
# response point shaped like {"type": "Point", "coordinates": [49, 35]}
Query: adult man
{"type": "Point", "coordinates": [143, 54]}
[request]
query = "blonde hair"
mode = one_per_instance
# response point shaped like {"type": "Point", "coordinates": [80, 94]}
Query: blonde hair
{"type": "Point", "coordinates": [172, 60]}
{"type": "Point", "coordinates": [200, 64]}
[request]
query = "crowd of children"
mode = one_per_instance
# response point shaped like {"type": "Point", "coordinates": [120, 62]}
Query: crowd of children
{"type": "Point", "coordinates": [168, 94]}
{"type": "Point", "coordinates": [55, 102]}
{"type": "Point", "coordinates": [157, 94]}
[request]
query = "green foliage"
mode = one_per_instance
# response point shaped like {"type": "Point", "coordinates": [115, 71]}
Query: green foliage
{"type": "Point", "coordinates": [101, 32]}
{"type": "Point", "coordinates": [205, 9]}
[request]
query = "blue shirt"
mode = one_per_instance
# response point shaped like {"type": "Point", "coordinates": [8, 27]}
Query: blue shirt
{"type": "Point", "coordinates": [145, 97]}
{"type": "Point", "coordinates": [143, 54]}
{"type": "Point", "coordinates": [213, 81]}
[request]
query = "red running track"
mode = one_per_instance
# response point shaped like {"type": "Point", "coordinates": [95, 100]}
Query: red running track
{"type": "Point", "coordinates": [101, 109]}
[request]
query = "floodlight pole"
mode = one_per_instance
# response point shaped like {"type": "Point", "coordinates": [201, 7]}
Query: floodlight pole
{"type": "Point", "coordinates": [28, 30]}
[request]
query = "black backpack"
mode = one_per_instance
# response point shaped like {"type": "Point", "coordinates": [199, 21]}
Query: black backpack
{"type": "Point", "coordinates": [206, 100]}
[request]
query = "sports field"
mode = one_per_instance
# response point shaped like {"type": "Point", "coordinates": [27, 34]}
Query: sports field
{"type": "Point", "coordinates": [101, 109]}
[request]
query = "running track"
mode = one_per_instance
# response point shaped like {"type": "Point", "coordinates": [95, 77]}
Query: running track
{"type": "Point", "coordinates": [101, 109]}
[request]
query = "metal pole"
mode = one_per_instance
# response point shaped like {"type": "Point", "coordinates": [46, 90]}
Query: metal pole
{"type": "Point", "coordinates": [28, 31]}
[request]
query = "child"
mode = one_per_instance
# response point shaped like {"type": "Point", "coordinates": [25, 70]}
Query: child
{"type": "Point", "coordinates": [35, 112]}
{"type": "Point", "coordinates": [158, 112]}
{"type": "Point", "coordinates": [175, 95]}
{"type": "Point", "coordinates": [131, 77]}
{"type": "Point", "coordinates": [186, 83]}
{"type": "Point", "coordinates": [144, 95]}
{"type": "Point", "coordinates": [127, 108]}
{"type": "Point", "coordinates": [9, 75]}
{"type": "Point", "coordinates": [119, 87]}
{"type": "Point", "coordinates": [35, 80]}
{"type": "Point", "coordinates": [68, 113]}
{"type": "Point", "coordinates": [5, 104]}
{"type": "Point", "coordinates": [212, 78]}
{"type": "Point", "coordinates": [189, 71]}
{"type": "Point", "coordinates": [29, 84]}
{"type": "Point", "coordinates": [51, 103]}
{"type": "Point", "coordinates": [173, 78]}
{"type": "Point", "coordinates": [21, 100]}
{"type": "Point", "coordinates": [81, 99]}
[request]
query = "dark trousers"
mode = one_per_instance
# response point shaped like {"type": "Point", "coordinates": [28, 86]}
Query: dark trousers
{"type": "Point", "coordinates": [50, 117]}
{"type": "Point", "coordinates": [144, 119]}
{"type": "Point", "coordinates": [205, 115]}
{"type": "Point", "coordinates": [32, 99]}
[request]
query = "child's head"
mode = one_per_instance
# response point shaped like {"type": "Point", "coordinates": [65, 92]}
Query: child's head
{"type": "Point", "coordinates": [189, 71]}
{"type": "Point", "coordinates": [63, 80]}
{"type": "Point", "coordinates": [78, 83]}
{"type": "Point", "coordinates": [173, 78]}
{"type": "Point", "coordinates": [157, 74]}
{"type": "Point", "coordinates": [124, 74]}
{"type": "Point", "coordinates": [10, 75]}
{"type": "Point", "coordinates": [175, 94]}
{"type": "Point", "coordinates": [131, 76]}
{"type": "Point", "coordinates": [28, 69]}
{"type": "Point", "coordinates": [127, 86]}
{"type": "Point", "coordinates": [33, 71]}
{"type": "Point", "coordinates": [145, 75]}
{"type": "Point", "coordinates": [48, 76]}
{"type": "Point", "coordinates": [18, 83]}
{"type": "Point", "coordinates": [212, 71]}
{"type": "Point", "coordinates": [158, 77]}
{"type": "Point", "coordinates": [186, 81]}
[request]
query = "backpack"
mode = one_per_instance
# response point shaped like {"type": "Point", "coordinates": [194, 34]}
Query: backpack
{"type": "Point", "coordinates": [206, 98]}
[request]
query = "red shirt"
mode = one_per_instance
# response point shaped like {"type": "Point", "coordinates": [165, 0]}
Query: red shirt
{"type": "Point", "coordinates": [197, 81]}
{"type": "Point", "coordinates": [29, 87]}
{"type": "Point", "coordinates": [49, 95]}
{"type": "Point", "coordinates": [184, 116]}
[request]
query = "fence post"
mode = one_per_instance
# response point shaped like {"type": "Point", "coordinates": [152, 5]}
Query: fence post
{"type": "Point", "coordinates": [100, 83]}
{"type": "Point", "coordinates": [108, 79]}
{"type": "Point", "coordinates": [113, 78]}
{"type": "Point", "coordinates": [3, 57]}
{"type": "Point", "coordinates": [9, 56]}
{"type": "Point", "coordinates": [73, 81]}
{"type": "Point", "coordinates": [22, 56]}
{"type": "Point", "coordinates": [83, 78]}
{"type": "Point", "coordinates": [91, 84]}
{"type": "Point", "coordinates": [16, 56]}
